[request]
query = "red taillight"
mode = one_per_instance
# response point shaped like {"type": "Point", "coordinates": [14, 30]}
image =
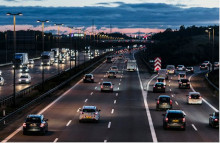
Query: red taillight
{"type": "Point", "coordinates": [216, 120]}
{"type": "Point", "coordinates": [24, 125]}
{"type": "Point", "coordinates": [111, 86]}
{"type": "Point", "coordinates": [158, 101]}
{"type": "Point", "coordinates": [200, 97]}
{"type": "Point", "coordinates": [95, 113]}
{"type": "Point", "coordinates": [184, 119]}
{"type": "Point", "coordinates": [82, 113]}
{"type": "Point", "coordinates": [189, 97]}
{"type": "Point", "coordinates": [42, 125]}
{"type": "Point", "coordinates": [164, 86]}
{"type": "Point", "coordinates": [166, 119]}
{"type": "Point", "coordinates": [171, 102]}
{"type": "Point", "coordinates": [101, 86]}
{"type": "Point", "coordinates": [180, 82]}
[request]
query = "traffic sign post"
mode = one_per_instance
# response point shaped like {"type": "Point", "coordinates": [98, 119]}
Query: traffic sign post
{"type": "Point", "coordinates": [157, 64]}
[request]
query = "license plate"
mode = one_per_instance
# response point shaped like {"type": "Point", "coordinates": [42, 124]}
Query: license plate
{"type": "Point", "coordinates": [159, 87]}
{"type": "Point", "coordinates": [88, 117]}
{"type": "Point", "coordinates": [184, 83]}
{"type": "Point", "coordinates": [175, 121]}
{"type": "Point", "coordinates": [33, 125]}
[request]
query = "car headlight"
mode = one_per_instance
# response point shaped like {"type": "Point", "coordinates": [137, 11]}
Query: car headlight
{"type": "Point", "coordinates": [20, 70]}
{"type": "Point", "coordinates": [20, 66]}
{"type": "Point", "coordinates": [26, 70]}
{"type": "Point", "coordinates": [19, 80]}
{"type": "Point", "coordinates": [41, 63]}
{"type": "Point", "coordinates": [27, 79]}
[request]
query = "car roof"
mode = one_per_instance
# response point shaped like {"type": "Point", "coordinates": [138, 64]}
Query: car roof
{"type": "Point", "coordinates": [159, 83]}
{"type": "Point", "coordinates": [175, 111]}
{"type": "Point", "coordinates": [89, 107]}
{"type": "Point", "coordinates": [189, 67]}
{"type": "Point", "coordinates": [164, 96]}
{"type": "Point", "coordinates": [197, 93]}
{"type": "Point", "coordinates": [160, 77]}
{"type": "Point", "coordinates": [35, 115]}
{"type": "Point", "coordinates": [106, 82]}
{"type": "Point", "coordinates": [89, 74]}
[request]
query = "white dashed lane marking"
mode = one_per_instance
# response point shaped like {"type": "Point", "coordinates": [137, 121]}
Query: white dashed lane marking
{"type": "Point", "coordinates": [176, 103]}
{"type": "Point", "coordinates": [114, 101]}
{"type": "Point", "coordinates": [69, 123]}
{"type": "Point", "coordinates": [86, 100]}
{"type": "Point", "coordinates": [55, 140]}
{"type": "Point", "coordinates": [109, 125]}
{"type": "Point", "coordinates": [194, 127]}
{"type": "Point", "coordinates": [112, 111]}
{"type": "Point", "coordinates": [119, 84]}
{"type": "Point", "coordinates": [96, 87]}
{"type": "Point", "coordinates": [91, 93]}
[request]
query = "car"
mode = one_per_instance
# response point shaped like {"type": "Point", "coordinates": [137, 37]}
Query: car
{"type": "Point", "coordinates": [207, 63]}
{"type": "Point", "coordinates": [0, 73]}
{"type": "Point", "coordinates": [184, 83]}
{"type": "Point", "coordinates": [216, 64]}
{"type": "Point", "coordinates": [174, 119]}
{"type": "Point", "coordinates": [114, 68]}
{"type": "Point", "coordinates": [159, 87]}
{"type": "Point", "coordinates": [181, 76]}
{"type": "Point", "coordinates": [163, 73]}
{"type": "Point", "coordinates": [164, 102]}
{"type": "Point", "coordinates": [107, 86]}
{"type": "Point", "coordinates": [120, 57]}
{"type": "Point", "coordinates": [112, 74]}
{"type": "Point", "coordinates": [214, 119]}
{"type": "Point", "coordinates": [180, 68]}
{"type": "Point", "coordinates": [35, 123]}
{"type": "Point", "coordinates": [31, 61]}
{"type": "Point", "coordinates": [190, 69]}
{"type": "Point", "coordinates": [2, 81]}
{"type": "Point", "coordinates": [204, 66]}
{"type": "Point", "coordinates": [24, 69]}
{"type": "Point", "coordinates": [89, 113]}
{"type": "Point", "coordinates": [194, 98]}
{"type": "Point", "coordinates": [170, 69]}
{"type": "Point", "coordinates": [56, 60]}
{"type": "Point", "coordinates": [24, 78]}
{"type": "Point", "coordinates": [72, 58]}
{"type": "Point", "coordinates": [62, 61]}
{"type": "Point", "coordinates": [88, 78]}
{"type": "Point", "coordinates": [161, 79]}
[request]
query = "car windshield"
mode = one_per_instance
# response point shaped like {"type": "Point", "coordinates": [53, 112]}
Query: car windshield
{"type": "Point", "coordinates": [175, 115]}
{"type": "Point", "coordinates": [195, 96]}
{"type": "Point", "coordinates": [182, 75]}
{"type": "Point", "coordinates": [89, 110]}
{"type": "Point", "coordinates": [159, 85]}
{"type": "Point", "coordinates": [88, 76]}
{"type": "Point", "coordinates": [184, 80]}
{"type": "Point", "coordinates": [180, 66]}
{"type": "Point", "coordinates": [164, 99]}
{"type": "Point", "coordinates": [160, 80]}
{"type": "Point", "coordinates": [24, 76]}
{"type": "Point", "coordinates": [24, 68]}
{"type": "Point", "coordinates": [162, 71]}
{"type": "Point", "coordinates": [189, 68]}
{"type": "Point", "coordinates": [107, 84]}
{"type": "Point", "coordinates": [33, 120]}
{"type": "Point", "coordinates": [112, 72]}
{"type": "Point", "coordinates": [114, 67]}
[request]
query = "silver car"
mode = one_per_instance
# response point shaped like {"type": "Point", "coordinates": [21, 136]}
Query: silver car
{"type": "Point", "coordinates": [180, 67]}
{"type": "Point", "coordinates": [170, 69]}
{"type": "Point", "coordinates": [194, 98]}
{"type": "Point", "coordinates": [24, 78]}
{"type": "Point", "coordinates": [89, 113]}
{"type": "Point", "coordinates": [2, 81]}
{"type": "Point", "coordinates": [107, 86]}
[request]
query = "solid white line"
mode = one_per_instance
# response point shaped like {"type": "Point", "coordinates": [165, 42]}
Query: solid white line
{"type": "Point", "coordinates": [91, 93]}
{"type": "Point", "coordinates": [109, 125]}
{"type": "Point", "coordinates": [184, 113]}
{"type": "Point", "coordinates": [194, 127]}
{"type": "Point", "coordinates": [215, 109]}
{"type": "Point", "coordinates": [114, 101]}
{"type": "Point", "coordinates": [172, 95]}
{"type": "Point", "coordinates": [105, 141]}
{"type": "Point", "coordinates": [69, 123]}
{"type": "Point", "coordinates": [86, 100]}
{"type": "Point", "coordinates": [112, 111]}
{"type": "Point", "coordinates": [144, 94]}
{"type": "Point", "coordinates": [176, 103]}
{"type": "Point", "coordinates": [55, 140]}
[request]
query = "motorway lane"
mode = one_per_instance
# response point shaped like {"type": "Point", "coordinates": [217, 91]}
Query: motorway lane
{"type": "Point", "coordinates": [195, 114]}
{"type": "Point", "coordinates": [36, 74]}
{"type": "Point", "coordinates": [128, 119]}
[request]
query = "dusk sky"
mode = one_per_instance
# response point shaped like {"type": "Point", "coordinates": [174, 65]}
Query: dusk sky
{"type": "Point", "coordinates": [127, 16]}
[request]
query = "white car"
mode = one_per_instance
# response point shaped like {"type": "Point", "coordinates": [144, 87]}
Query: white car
{"type": "Point", "coordinates": [114, 68]}
{"type": "Point", "coordinates": [2, 81]}
{"type": "Point", "coordinates": [170, 69]}
{"type": "Point", "coordinates": [31, 61]}
{"type": "Point", "coordinates": [207, 63]}
{"type": "Point", "coordinates": [89, 113]}
{"type": "Point", "coordinates": [24, 69]}
{"type": "Point", "coordinates": [24, 78]}
{"type": "Point", "coordinates": [180, 67]}
{"type": "Point", "coordinates": [194, 98]}
{"type": "Point", "coordinates": [181, 76]}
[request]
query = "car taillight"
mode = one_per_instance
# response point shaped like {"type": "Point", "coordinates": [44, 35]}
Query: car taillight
{"type": "Point", "coordinates": [171, 102]}
{"type": "Point", "coordinates": [189, 97]}
{"type": "Point", "coordinates": [95, 113]}
{"type": "Point", "coordinates": [82, 113]}
{"type": "Point", "coordinates": [24, 125]}
{"type": "Point", "coordinates": [101, 86]}
{"type": "Point", "coordinates": [184, 119]}
{"type": "Point", "coordinates": [200, 97]}
{"type": "Point", "coordinates": [187, 82]}
{"type": "Point", "coordinates": [111, 86]}
{"type": "Point", "coordinates": [158, 101]}
{"type": "Point", "coordinates": [180, 82]}
{"type": "Point", "coordinates": [42, 125]}
{"type": "Point", "coordinates": [216, 120]}
{"type": "Point", "coordinates": [166, 119]}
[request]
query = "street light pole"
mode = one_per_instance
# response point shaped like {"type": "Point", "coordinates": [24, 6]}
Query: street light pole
{"type": "Point", "coordinates": [77, 47]}
{"type": "Point", "coordinates": [42, 21]}
{"type": "Point", "coordinates": [14, 35]}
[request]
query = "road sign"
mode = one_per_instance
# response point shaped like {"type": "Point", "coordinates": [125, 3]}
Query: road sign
{"type": "Point", "coordinates": [157, 64]}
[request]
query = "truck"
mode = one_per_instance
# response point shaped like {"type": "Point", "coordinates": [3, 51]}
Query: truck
{"type": "Point", "coordinates": [47, 58]}
{"type": "Point", "coordinates": [20, 60]}
{"type": "Point", "coordinates": [56, 52]}
{"type": "Point", "coordinates": [131, 65]}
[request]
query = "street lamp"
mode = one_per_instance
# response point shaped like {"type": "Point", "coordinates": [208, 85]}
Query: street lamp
{"type": "Point", "coordinates": [209, 30]}
{"type": "Point", "coordinates": [71, 45]}
{"type": "Point", "coordinates": [58, 30]}
{"type": "Point", "coordinates": [42, 21]}
{"type": "Point", "coordinates": [14, 22]}
{"type": "Point", "coordinates": [77, 47]}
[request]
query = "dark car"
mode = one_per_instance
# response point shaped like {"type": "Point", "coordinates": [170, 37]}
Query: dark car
{"type": "Point", "coordinates": [184, 83]}
{"type": "Point", "coordinates": [88, 78]}
{"type": "Point", "coordinates": [72, 58]}
{"type": "Point", "coordinates": [107, 86]}
{"type": "Point", "coordinates": [214, 119]}
{"type": "Point", "coordinates": [174, 119]}
{"type": "Point", "coordinates": [190, 69]}
{"type": "Point", "coordinates": [35, 123]}
{"type": "Point", "coordinates": [203, 66]}
{"type": "Point", "coordinates": [112, 74]}
{"type": "Point", "coordinates": [159, 87]}
{"type": "Point", "coordinates": [163, 102]}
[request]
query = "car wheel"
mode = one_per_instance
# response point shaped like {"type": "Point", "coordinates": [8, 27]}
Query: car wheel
{"type": "Point", "coordinates": [24, 133]}
{"type": "Point", "coordinates": [80, 121]}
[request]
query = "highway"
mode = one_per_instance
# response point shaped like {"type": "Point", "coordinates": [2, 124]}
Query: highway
{"type": "Point", "coordinates": [124, 113]}
{"type": "Point", "coordinates": [35, 72]}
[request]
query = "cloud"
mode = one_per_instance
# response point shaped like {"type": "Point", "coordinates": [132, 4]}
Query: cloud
{"type": "Point", "coordinates": [132, 16]}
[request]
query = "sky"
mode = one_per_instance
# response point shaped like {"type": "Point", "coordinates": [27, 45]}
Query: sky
{"type": "Point", "coordinates": [127, 16]}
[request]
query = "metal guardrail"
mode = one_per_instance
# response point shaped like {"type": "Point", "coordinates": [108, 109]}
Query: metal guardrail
{"type": "Point", "coordinates": [215, 87]}
{"type": "Point", "coordinates": [2, 120]}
